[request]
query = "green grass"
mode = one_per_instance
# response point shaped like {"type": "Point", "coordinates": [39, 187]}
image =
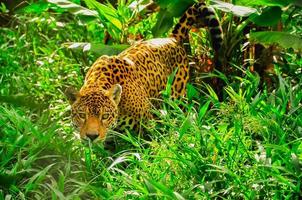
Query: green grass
{"type": "Point", "coordinates": [246, 147]}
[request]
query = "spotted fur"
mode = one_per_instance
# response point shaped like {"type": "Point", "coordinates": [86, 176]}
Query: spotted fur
{"type": "Point", "coordinates": [120, 88]}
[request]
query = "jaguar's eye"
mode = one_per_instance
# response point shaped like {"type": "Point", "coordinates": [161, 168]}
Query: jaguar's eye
{"type": "Point", "coordinates": [82, 115]}
{"type": "Point", "coordinates": [105, 116]}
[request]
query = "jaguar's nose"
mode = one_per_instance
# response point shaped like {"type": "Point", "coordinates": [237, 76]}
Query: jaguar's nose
{"type": "Point", "coordinates": [92, 136]}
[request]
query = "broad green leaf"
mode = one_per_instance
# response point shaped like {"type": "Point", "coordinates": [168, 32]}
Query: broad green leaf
{"type": "Point", "coordinates": [169, 10]}
{"type": "Point", "coordinates": [163, 24]}
{"type": "Point", "coordinates": [178, 7]}
{"type": "Point", "coordinates": [97, 48]}
{"type": "Point", "coordinates": [174, 3]}
{"type": "Point", "coordinates": [241, 11]}
{"type": "Point", "coordinates": [163, 3]}
{"type": "Point", "coordinates": [285, 40]}
{"type": "Point", "coordinates": [107, 12]}
{"type": "Point", "coordinates": [281, 3]}
{"type": "Point", "coordinates": [36, 7]}
{"type": "Point", "coordinates": [269, 17]}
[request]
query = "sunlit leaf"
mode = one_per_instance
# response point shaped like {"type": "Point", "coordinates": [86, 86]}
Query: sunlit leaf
{"type": "Point", "coordinates": [76, 45]}
{"type": "Point", "coordinates": [87, 47]}
{"type": "Point", "coordinates": [139, 5]}
{"type": "Point", "coordinates": [97, 48]}
{"type": "Point", "coordinates": [74, 8]}
{"type": "Point", "coordinates": [241, 11]}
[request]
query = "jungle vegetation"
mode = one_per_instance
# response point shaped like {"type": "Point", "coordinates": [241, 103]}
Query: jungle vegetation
{"type": "Point", "coordinates": [241, 142]}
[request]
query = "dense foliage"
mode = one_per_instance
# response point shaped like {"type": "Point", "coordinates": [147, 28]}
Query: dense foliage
{"type": "Point", "coordinates": [247, 146]}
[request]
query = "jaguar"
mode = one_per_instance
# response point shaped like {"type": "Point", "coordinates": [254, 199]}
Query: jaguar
{"type": "Point", "coordinates": [118, 90]}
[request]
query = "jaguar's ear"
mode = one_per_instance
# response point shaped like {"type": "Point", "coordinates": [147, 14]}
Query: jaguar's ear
{"type": "Point", "coordinates": [71, 94]}
{"type": "Point", "coordinates": [115, 92]}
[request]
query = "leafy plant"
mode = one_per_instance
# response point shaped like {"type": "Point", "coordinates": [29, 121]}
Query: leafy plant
{"type": "Point", "coordinates": [168, 10]}
{"type": "Point", "coordinates": [285, 40]}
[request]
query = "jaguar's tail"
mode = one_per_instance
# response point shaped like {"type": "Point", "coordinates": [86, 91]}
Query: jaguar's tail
{"type": "Point", "coordinates": [202, 16]}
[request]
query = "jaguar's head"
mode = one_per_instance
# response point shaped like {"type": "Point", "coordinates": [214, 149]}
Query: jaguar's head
{"type": "Point", "coordinates": [94, 111]}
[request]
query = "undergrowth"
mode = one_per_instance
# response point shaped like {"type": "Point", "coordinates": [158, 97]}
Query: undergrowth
{"type": "Point", "coordinates": [246, 147]}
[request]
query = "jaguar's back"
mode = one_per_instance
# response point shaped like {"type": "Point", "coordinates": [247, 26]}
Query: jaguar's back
{"type": "Point", "coordinates": [120, 88]}
{"type": "Point", "coordinates": [154, 60]}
